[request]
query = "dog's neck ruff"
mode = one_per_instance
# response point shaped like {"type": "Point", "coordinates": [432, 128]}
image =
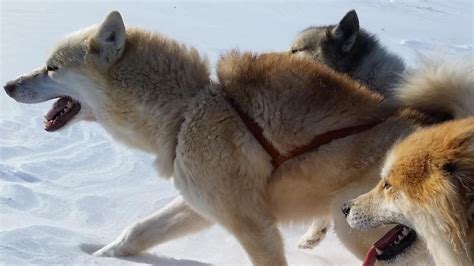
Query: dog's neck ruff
{"type": "Point", "coordinates": [278, 158]}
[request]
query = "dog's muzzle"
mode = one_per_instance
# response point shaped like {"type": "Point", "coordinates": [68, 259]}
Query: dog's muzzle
{"type": "Point", "coordinates": [10, 88]}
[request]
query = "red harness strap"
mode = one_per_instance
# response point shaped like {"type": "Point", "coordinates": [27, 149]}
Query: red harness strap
{"type": "Point", "coordinates": [319, 140]}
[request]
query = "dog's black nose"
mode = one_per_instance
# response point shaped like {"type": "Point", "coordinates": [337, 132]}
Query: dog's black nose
{"type": "Point", "coordinates": [346, 208]}
{"type": "Point", "coordinates": [10, 88]}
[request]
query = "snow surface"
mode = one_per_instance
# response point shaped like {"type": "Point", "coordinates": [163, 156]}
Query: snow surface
{"type": "Point", "coordinates": [63, 195]}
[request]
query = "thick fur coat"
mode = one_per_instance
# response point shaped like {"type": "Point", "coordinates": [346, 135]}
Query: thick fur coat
{"type": "Point", "coordinates": [155, 94]}
{"type": "Point", "coordinates": [351, 50]}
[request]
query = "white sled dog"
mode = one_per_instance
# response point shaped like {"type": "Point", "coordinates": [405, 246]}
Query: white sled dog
{"type": "Point", "coordinates": [427, 184]}
{"type": "Point", "coordinates": [277, 138]}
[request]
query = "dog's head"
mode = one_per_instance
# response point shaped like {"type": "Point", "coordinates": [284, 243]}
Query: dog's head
{"type": "Point", "coordinates": [74, 74]}
{"type": "Point", "coordinates": [427, 188]}
{"type": "Point", "coordinates": [338, 46]}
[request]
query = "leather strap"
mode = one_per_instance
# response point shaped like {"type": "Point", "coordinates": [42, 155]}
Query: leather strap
{"type": "Point", "coordinates": [277, 158]}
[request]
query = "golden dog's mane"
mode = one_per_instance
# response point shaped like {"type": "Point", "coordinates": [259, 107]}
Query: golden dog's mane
{"type": "Point", "coordinates": [435, 170]}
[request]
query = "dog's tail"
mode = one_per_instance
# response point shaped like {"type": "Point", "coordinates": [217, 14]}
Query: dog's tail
{"type": "Point", "coordinates": [440, 88]}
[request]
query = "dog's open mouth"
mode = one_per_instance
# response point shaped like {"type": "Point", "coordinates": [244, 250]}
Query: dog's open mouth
{"type": "Point", "coordinates": [391, 245]}
{"type": "Point", "coordinates": [62, 111]}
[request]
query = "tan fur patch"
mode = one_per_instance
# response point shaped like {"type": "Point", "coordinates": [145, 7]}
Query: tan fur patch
{"type": "Point", "coordinates": [254, 70]}
{"type": "Point", "coordinates": [274, 88]}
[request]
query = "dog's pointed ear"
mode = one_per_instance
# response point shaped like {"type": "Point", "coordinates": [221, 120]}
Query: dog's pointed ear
{"type": "Point", "coordinates": [347, 30]}
{"type": "Point", "coordinates": [111, 38]}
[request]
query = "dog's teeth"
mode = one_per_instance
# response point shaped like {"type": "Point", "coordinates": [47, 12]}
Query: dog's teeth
{"type": "Point", "coordinates": [379, 252]}
{"type": "Point", "coordinates": [405, 231]}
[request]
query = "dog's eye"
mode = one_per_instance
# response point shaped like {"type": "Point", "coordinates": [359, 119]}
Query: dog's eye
{"type": "Point", "coordinates": [386, 185]}
{"type": "Point", "coordinates": [52, 68]}
{"type": "Point", "coordinates": [296, 50]}
{"type": "Point", "coordinates": [449, 168]}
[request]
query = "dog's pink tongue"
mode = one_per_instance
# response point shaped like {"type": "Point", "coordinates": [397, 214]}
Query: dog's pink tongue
{"type": "Point", "coordinates": [370, 258]}
{"type": "Point", "coordinates": [384, 242]}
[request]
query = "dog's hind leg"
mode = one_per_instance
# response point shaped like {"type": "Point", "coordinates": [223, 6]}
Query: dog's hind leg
{"type": "Point", "coordinates": [175, 220]}
{"type": "Point", "coordinates": [315, 234]}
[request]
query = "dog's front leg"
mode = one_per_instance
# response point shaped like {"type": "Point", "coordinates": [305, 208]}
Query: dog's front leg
{"type": "Point", "coordinates": [258, 235]}
{"type": "Point", "coordinates": [175, 220]}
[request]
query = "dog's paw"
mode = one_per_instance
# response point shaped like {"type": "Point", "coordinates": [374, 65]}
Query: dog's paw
{"type": "Point", "coordinates": [104, 252]}
{"type": "Point", "coordinates": [308, 243]}
{"type": "Point", "coordinates": [112, 250]}
{"type": "Point", "coordinates": [311, 239]}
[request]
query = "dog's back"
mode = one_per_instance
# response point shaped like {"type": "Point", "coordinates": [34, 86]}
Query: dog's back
{"type": "Point", "coordinates": [295, 99]}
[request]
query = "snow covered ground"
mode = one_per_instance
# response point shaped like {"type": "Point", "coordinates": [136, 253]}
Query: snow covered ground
{"type": "Point", "coordinates": [63, 195]}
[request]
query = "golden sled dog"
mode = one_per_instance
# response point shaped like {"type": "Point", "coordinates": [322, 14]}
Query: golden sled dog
{"type": "Point", "coordinates": [427, 184]}
{"type": "Point", "coordinates": [277, 138]}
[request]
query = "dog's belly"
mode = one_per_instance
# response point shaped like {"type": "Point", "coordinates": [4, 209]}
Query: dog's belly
{"type": "Point", "coordinates": [297, 200]}
{"type": "Point", "coordinates": [305, 186]}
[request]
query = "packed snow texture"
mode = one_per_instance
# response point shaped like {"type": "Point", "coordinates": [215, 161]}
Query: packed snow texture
{"type": "Point", "coordinates": [63, 195]}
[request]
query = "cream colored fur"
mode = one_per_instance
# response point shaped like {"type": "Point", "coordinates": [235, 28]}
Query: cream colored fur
{"type": "Point", "coordinates": [154, 94]}
{"type": "Point", "coordinates": [440, 86]}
